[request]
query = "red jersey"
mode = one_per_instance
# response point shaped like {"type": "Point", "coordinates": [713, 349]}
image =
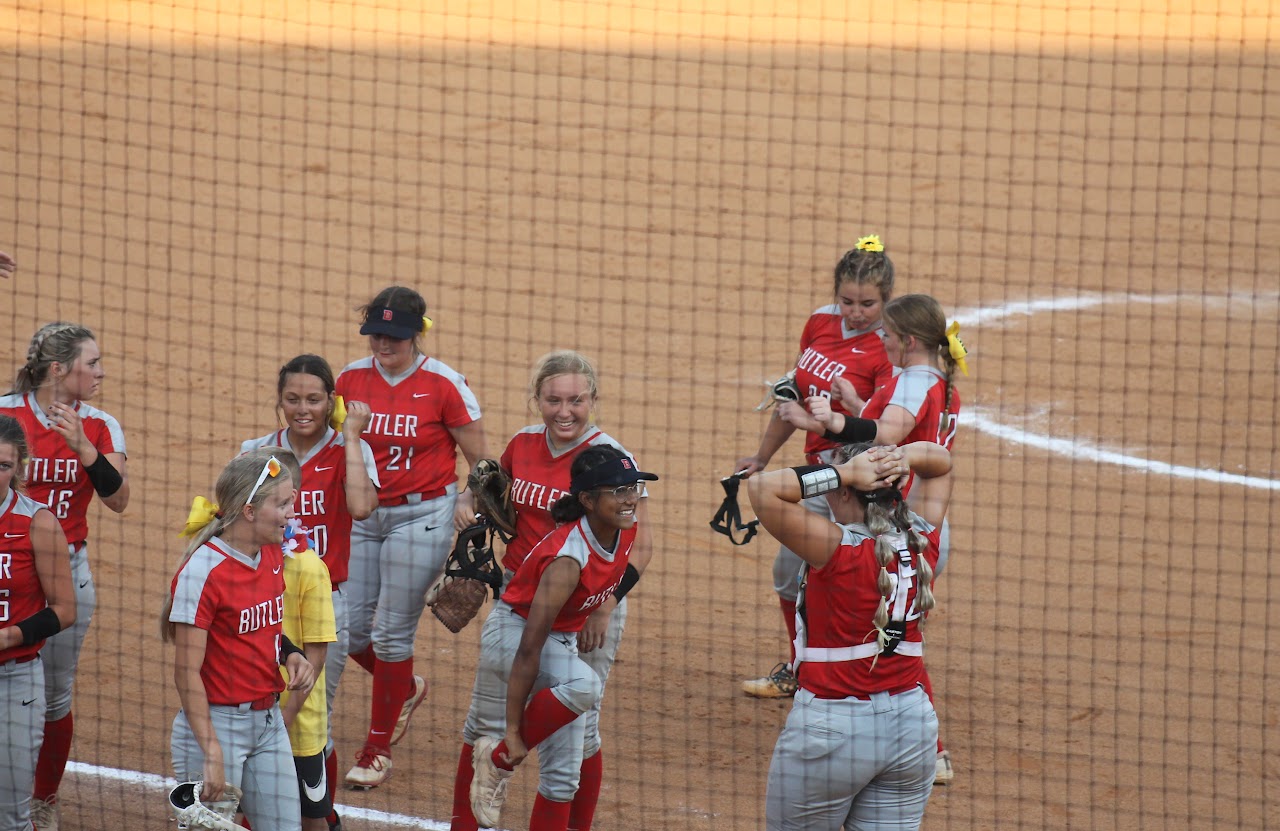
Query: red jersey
{"type": "Point", "coordinates": [409, 430]}
{"type": "Point", "coordinates": [321, 502]}
{"type": "Point", "coordinates": [21, 594]}
{"type": "Point", "coordinates": [54, 474]}
{"type": "Point", "coordinates": [835, 634]}
{"type": "Point", "coordinates": [601, 572]}
{"type": "Point", "coordinates": [922, 391]}
{"type": "Point", "coordinates": [239, 602]}
{"type": "Point", "coordinates": [828, 350]}
{"type": "Point", "coordinates": [539, 477]}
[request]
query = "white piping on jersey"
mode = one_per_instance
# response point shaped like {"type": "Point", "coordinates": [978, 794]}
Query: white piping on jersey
{"type": "Point", "coordinates": [833, 309]}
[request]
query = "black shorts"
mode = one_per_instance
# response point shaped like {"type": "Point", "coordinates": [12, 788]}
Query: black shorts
{"type": "Point", "coordinates": [316, 803]}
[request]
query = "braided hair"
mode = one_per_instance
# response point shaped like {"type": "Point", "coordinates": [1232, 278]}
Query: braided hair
{"type": "Point", "coordinates": [921, 317]}
{"type": "Point", "coordinates": [887, 515]}
{"type": "Point", "coordinates": [866, 264]}
{"type": "Point", "coordinates": [52, 343]}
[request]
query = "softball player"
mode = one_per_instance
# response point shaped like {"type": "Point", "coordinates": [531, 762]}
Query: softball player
{"type": "Point", "coordinates": [857, 750]}
{"type": "Point", "coordinates": [531, 681]}
{"type": "Point", "coordinates": [564, 388]}
{"type": "Point", "coordinates": [841, 340]}
{"type": "Point", "coordinates": [338, 485]}
{"type": "Point", "coordinates": [76, 450]}
{"type": "Point", "coordinates": [38, 601]}
{"type": "Point", "coordinates": [224, 613]}
{"type": "Point", "coordinates": [919, 403]}
{"type": "Point", "coordinates": [422, 412]}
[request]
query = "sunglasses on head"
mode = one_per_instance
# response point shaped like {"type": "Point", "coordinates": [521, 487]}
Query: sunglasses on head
{"type": "Point", "coordinates": [270, 469]}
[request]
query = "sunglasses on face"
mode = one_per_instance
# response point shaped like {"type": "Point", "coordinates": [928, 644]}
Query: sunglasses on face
{"type": "Point", "coordinates": [624, 491]}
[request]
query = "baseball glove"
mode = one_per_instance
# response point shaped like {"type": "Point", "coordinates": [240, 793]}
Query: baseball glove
{"type": "Point", "coordinates": [783, 389]}
{"type": "Point", "coordinates": [469, 573]}
{"type": "Point", "coordinates": [218, 815]}
{"type": "Point", "coordinates": [490, 487]}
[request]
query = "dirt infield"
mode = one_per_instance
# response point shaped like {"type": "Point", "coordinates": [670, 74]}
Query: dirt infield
{"type": "Point", "coordinates": [667, 191]}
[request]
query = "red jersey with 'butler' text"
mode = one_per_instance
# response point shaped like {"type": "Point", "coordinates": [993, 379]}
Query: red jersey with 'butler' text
{"type": "Point", "coordinates": [539, 477]}
{"type": "Point", "coordinates": [602, 571]}
{"type": "Point", "coordinates": [54, 473]}
{"type": "Point", "coordinates": [409, 430]}
{"type": "Point", "coordinates": [836, 611]}
{"type": "Point", "coordinates": [829, 350]}
{"type": "Point", "coordinates": [21, 594]}
{"type": "Point", "coordinates": [322, 499]}
{"type": "Point", "coordinates": [239, 601]}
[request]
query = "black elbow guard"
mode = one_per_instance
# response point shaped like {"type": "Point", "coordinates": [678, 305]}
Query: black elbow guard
{"type": "Point", "coordinates": [104, 476]}
{"type": "Point", "coordinates": [629, 579]}
{"type": "Point", "coordinates": [855, 430]}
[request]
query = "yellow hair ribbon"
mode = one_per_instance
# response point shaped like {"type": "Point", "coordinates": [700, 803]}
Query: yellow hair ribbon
{"type": "Point", "coordinates": [956, 346]}
{"type": "Point", "coordinates": [427, 323]}
{"type": "Point", "coordinates": [202, 513]}
{"type": "Point", "coordinates": [870, 243]}
{"type": "Point", "coordinates": [339, 414]}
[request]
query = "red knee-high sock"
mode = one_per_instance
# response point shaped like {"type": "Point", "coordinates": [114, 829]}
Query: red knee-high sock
{"type": "Point", "coordinates": [583, 808]}
{"type": "Point", "coordinates": [789, 615]}
{"type": "Point", "coordinates": [53, 756]}
{"type": "Point", "coordinates": [549, 815]}
{"type": "Point", "coordinates": [365, 659]}
{"type": "Point", "coordinates": [543, 716]}
{"type": "Point", "coordinates": [331, 779]}
{"type": "Point", "coordinates": [390, 679]}
{"type": "Point", "coordinates": [463, 819]}
{"type": "Point", "coordinates": [928, 690]}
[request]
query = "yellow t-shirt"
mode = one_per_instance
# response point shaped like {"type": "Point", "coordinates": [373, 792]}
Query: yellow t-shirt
{"type": "Point", "coordinates": [308, 618]}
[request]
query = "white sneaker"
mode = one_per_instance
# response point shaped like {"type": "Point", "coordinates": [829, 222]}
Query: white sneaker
{"type": "Point", "coordinates": [945, 773]}
{"type": "Point", "coordinates": [216, 816]}
{"type": "Point", "coordinates": [410, 704]}
{"type": "Point", "coordinates": [371, 770]}
{"type": "Point", "coordinates": [44, 815]}
{"type": "Point", "coordinates": [488, 784]}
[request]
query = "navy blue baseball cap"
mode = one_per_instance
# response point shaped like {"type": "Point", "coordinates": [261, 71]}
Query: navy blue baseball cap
{"type": "Point", "coordinates": [610, 474]}
{"type": "Point", "coordinates": [394, 323]}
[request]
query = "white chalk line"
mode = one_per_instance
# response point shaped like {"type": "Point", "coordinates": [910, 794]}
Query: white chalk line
{"type": "Point", "coordinates": [974, 418]}
{"type": "Point", "coordinates": [163, 784]}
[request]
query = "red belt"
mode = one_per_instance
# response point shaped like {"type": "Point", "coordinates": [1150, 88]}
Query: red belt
{"type": "Point", "coordinates": [866, 696]}
{"type": "Point", "coordinates": [413, 498]}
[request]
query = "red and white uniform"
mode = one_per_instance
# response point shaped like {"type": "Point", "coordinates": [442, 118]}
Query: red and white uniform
{"type": "Point", "coordinates": [20, 588]}
{"type": "Point", "coordinates": [834, 653]}
{"type": "Point", "coordinates": [409, 429]}
{"type": "Point", "coordinates": [828, 350]}
{"type": "Point", "coordinates": [539, 477]}
{"type": "Point", "coordinates": [601, 572]}
{"type": "Point", "coordinates": [321, 503]}
{"type": "Point", "coordinates": [922, 391]}
{"type": "Point", "coordinates": [54, 474]}
{"type": "Point", "coordinates": [239, 601]}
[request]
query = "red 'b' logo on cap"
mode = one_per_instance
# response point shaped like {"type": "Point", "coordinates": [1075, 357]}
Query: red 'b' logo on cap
{"type": "Point", "coordinates": [626, 463]}
{"type": "Point", "coordinates": [386, 314]}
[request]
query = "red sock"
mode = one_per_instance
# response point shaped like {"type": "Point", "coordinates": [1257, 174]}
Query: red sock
{"type": "Point", "coordinates": [365, 659]}
{"type": "Point", "coordinates": [331, 779]}
{"type": "Point", "coordinates": [583, 807]}
{"type": "Point", "coordinates": [548, 815]}
{"type": "Point", "coordinates": [53, 757]}
{"type": "Point", "coordinates": [789, 616]}
{"type": "Point", "coordinates": [463, 819]}
{"type": "Point", "coordinates": [543, 716]}
{"type": "Point", "coordinates": [390, 678]}
{"type": "Point", "coordinates": [928, 690]}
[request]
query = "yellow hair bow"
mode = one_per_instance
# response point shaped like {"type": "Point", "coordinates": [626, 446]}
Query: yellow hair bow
{"type": "Point", "coordinates": [202, 513]}
{"type": "Point", "coordinates": [339, 414]}
{"type": "Point", "coordinates": [956, 346]}
{"type": "Point", "coordinates": [870, 243]}
{"type": "Point", "coordinates": [427, 323]}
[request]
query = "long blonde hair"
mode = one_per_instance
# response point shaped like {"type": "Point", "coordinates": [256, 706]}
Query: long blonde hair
{"type": "Point", "coordinates": [886, 516]}
{"type": "Point", "coordinates": [231, 494]}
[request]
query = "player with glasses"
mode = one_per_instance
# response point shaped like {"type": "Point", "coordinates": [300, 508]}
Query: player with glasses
{"type": "Point", "coordinates": [532, 685]}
